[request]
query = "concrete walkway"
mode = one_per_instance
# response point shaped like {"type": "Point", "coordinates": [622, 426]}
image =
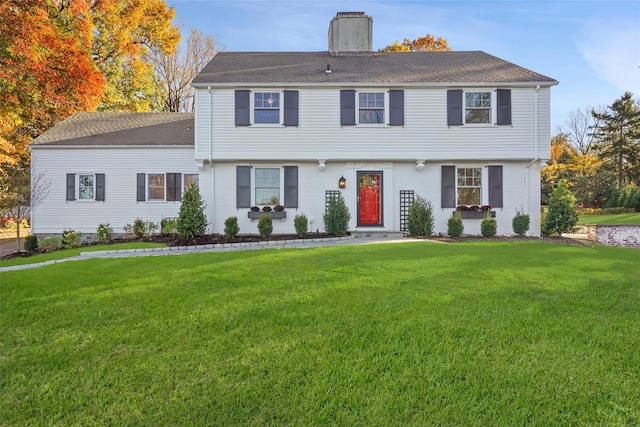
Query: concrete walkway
{"type": "Point", "coordinates": [228, 247]}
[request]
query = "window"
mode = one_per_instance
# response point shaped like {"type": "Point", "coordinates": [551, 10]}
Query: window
{"type": "Point", "coordinates": [267, 188]}
{"type": "Point", "coordinates": [370, 107]}
{"type": "Point", "coordinates": [266, 107]}
{"type": "Point", "coordinates": [86, 187]}
{"type": "Point", "coordinates": [477, 107]}
{"type": "Point", "coordinates": [190, 179]}
{"type": "Point", "coordinates": [156, 186]}
{"type": "Point", "coordinates": [469, 186]}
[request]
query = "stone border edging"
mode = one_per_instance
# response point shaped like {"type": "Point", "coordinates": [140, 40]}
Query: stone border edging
{"type": "Point", "coordinates": [176, 250]}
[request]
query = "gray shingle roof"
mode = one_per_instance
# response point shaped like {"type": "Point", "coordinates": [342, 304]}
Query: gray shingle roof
{"type": "Point", "coordinates": [96, 129]}
{"type": "Point", "coordinates": [387, 68]}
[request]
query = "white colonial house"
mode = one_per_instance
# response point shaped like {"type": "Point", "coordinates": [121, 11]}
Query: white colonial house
{"type": "Point", "coordinates": [296, 128]}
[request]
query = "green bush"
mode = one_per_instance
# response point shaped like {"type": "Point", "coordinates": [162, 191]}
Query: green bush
{"type": "Point", "coordinates": [562, 216]}
{"type": "Point", "coordinates": [139, 228]}
{"type": "Point", "coordinates": [420, 217]}
{"type": "Point", "coordinates": [31, 243]}
{"type": "Point", "coordinates": [231, 228]}
{"type": "Point", "coordinates": [612, 200]}
{"type": "Point", "coordinates": [167, 226]}
{"type": "Point", "coordinates": [191, 221]}
{"type": "Point", "coordinates": [634, 201]}
{"type": "Point", "coordinates": [455, 227]}
{"type": "Point", "coordinates": [488, 227]}
{"type": "Point", "coordinates": [265, 226]}
{"type": "Point", "coordinates": [71, 238]}
{"type": "Point", "coordinates": [337, 216]}
{"type": "Point", "coordinates": [103, 233]}
{"type": "Point", "coordinates": [50, 244]}
{"type": "Point", "coordinates": [301, 224]}
{"type": "Point", "coordinates": [520, 223]}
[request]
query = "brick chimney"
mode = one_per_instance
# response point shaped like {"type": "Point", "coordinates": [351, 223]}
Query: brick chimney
{"type": "Point", "coordinates": [350, 32]}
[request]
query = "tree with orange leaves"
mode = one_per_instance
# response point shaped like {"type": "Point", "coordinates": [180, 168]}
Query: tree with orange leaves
{"type": "Point", "coordinates": [427, 43]}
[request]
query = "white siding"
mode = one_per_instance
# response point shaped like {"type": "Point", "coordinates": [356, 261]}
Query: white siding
{"type": "Point", "coordinates": [120, 166]}
{"type": "Point", "coordinates": [424, 136]}
{"type": "Point", "coordinates": [220, 194]}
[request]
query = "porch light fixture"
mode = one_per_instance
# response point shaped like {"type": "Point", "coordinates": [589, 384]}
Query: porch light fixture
{"type": "Point", "coordinates": [342, 182]}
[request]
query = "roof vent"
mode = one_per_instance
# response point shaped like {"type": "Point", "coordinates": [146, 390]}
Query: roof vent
{"type": "Point", "coordinates": [328, 68]}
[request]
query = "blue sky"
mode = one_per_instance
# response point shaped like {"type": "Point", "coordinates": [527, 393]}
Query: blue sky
{"type": "Point", "coordinates": [591, 47]}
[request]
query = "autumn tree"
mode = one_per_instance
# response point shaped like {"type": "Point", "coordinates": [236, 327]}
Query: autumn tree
{"type": "Point", "coordinates": [617, 137]}
{"type": "Point", "coordinates": [427, 43]}
{"type": "Point", "coordinates": [174, 71]}
{"type": "Point", "coordinates": [578, 129]}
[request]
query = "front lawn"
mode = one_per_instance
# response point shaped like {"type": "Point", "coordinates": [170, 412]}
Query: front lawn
{"type": "Point", "coordinates": [472, 333]}
{"type": "Point", "coordinates": [620, 219]}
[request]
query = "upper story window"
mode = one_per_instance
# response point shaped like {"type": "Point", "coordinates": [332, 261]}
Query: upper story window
{"type": "Point", "coordinates": [477, 107]}
{"type": "Point", "coordinates": [370, 107]}
{"type": "Point", "coordinates": [86, 187]}
{"type": "Point", "coordinates": [266, 107]}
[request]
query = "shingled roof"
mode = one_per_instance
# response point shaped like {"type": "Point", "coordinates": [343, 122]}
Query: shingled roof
{"type": "Point", "coordinates": [456, 67]}
{"type": "Point", "coordinates": [104, 129]}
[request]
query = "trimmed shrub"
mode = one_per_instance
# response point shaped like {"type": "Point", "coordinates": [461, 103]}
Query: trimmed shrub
{"type": "Point", "coordinates": [520, 223]}
{"type": "Point", "coordinates": [337, 216]}
{"type": "Point", "coordinates": [138, 227]}
{"type": "Point", "coordinates": [420, 219]}
{"type": "Point", "coordinates": [71, 238]}
{"type": "Point", "coordinates": [50, 244]}
{"type": "Point", "coordinates": [191, 221]}
{"type": "Point", "coordinates": [488, 227]}
{"type": "Point", "coordinates": [31, 243]}
{"type": "Point", "coordinates": [167, 226]}
{"type": "Point", "coordinates": [455, 227]}
{"type": "Point", "coordinates": [103, 233]}
{"type": "Point", "coordinates": [265, 226]}
{"type": "Point", "coordinates": [301, 224]}
{"type": "Point", "coordinates": [562, 216]}
{"type": "Point", "coordinates": [231, 228]}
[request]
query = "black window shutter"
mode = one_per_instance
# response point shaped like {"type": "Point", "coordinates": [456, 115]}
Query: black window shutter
{"type": "Point", "coordinates": [242, 107]}
{"type": "Point", "coordinates": [100, 187]}
{"type": "Point", "coordinates": [504, 106]}
{"type": "Point", "coordinates": [448, 187]}
{"type": "Point", "coordinates": [140, 187]}
{"type": "Point", "coordinates": [396, 107]}
{"type": "Point", "coordinates": [348, 107]}
{"type": "Point", "coordinates": [291, 108]}
{"type": "Point", "coordinates": [243, 186]}
{"type": "Point", "coordinates": [495, 186]}
{"type": "Point", "coordinates": [71, 186]}
{"type": "Point", "coordinates": [174, 183]}
{"type": "Point", "coordinates": [290, 187]}
{"type": "Point", "coordinates": [454, 107]}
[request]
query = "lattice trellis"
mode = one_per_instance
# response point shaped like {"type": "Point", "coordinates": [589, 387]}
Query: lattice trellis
{"type": "Point", "coordinates": [406, 198]}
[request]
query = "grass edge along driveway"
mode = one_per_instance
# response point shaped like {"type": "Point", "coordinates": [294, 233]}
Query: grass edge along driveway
{"type": "Point", "coordinates": [477, 333]}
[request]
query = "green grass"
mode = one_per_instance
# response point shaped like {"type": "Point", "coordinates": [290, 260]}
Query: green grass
{"type": "Point", "coordinates": [473, 333]}
{"type": "Point", "coordinates": [67, 253]}
{"type": "Point", "coordinates": [620, 219]}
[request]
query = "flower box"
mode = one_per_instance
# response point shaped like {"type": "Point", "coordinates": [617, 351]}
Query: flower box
{"type": "Point", "coordinates": [274, 215]}
{"type": "Point", "coordinates": [475, 214]}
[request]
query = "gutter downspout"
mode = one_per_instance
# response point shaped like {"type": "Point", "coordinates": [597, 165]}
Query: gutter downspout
{"type": "Point", "coordinates": [536, 145]}
{"type": "Point", "coordinates": [211, 156]}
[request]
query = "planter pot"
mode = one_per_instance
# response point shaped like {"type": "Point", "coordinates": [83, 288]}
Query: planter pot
{"type": "Point", "coordinates": [475, 214]}
{"type": "Point", "coordinates": [273, 214]}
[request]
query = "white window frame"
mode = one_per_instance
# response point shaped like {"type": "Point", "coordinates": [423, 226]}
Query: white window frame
{"type": "Point", "coordinates": [492, 108]}
{"type": "Point", "coordinates": [280, 184]}
{"type": "Point", "coordinates": [385, 114]}
{"type": "Point", "coordinates": [77, 187]}
{"type": "Point", "coordinates": [252, 102]}
{"type": "Point", "coordinates": [164, 187]}
{"type": "Point", "coordinates": [483, 187]}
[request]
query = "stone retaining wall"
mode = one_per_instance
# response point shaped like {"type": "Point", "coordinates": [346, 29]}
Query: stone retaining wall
{"type": "Point", "coordinates": [626, 236]}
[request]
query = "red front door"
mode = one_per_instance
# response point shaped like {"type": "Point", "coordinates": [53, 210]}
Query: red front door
{"type": "Point", "coordinates": [369, 198]}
